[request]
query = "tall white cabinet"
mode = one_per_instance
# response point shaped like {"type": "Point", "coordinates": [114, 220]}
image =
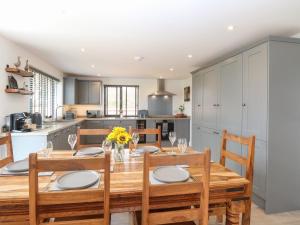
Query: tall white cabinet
{"type": "Point", "coordinates": [237, 93]}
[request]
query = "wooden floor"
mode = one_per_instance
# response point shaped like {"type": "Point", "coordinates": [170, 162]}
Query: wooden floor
{"type": "Point", "coordinates": [258, 218]}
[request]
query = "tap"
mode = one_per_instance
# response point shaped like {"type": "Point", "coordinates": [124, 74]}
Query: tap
{"type": "Point", "coordinates": [59, 106]}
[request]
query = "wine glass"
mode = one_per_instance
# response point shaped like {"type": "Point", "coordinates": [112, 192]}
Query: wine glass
{"type": "Point", "coordinates": [135, 140]}
{"type": "Point", "coordinates": [72, 139]}
{"type": "Point", "coordinates": [172, 138]}
{"type": "Point", "coordinates": [107, 145]}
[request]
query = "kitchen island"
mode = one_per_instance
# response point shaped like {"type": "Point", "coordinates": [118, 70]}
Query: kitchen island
{"type": "Point", "coordinates": [26, 143]}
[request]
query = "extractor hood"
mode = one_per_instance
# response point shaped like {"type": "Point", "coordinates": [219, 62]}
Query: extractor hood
{"type": "Point", "coordinates": [161, 89]}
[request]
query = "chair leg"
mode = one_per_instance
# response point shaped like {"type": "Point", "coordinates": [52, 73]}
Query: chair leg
{"type": "Point", "coordinates": [247, 213]}
{"type": "Point", "coordinates": [233, 213]}
{"type": "Point", "coordinates": [219, 218]}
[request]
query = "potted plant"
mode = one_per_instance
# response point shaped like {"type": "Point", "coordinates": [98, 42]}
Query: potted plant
{"type": "Point", "coordinates": [181, 111]}
{"type": "Point", "coordinates": [120, 137]}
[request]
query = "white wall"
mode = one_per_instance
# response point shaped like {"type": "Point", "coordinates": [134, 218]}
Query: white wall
{"type": "Point", "coordinates": [11, 103]}
{"type": "Point", "coordinates": [146, 86]}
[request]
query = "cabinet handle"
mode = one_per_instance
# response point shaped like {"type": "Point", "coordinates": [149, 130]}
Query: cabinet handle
{"type": "Point", "coordinates": [218, 105]}
{"type": "Point", "coordinates": [244, 104]}
{"type": "Point", "coordinates": [198, 128]}
{"type": "Point", "coordinates": [198, 105]}
{"type": "Point", "coordinates": [214, 104]}
{"type": "Point", "coordinates": [216, 132]}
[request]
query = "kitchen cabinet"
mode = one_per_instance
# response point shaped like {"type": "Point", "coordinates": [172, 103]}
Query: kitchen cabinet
{"type": "Point", "coordinates": [182, 129]}
{"type": "Point", "coordinates": [86, 92]}
{"type": "Point", "coordinates": [60, 138]}
{"type": "Point", "coordinates": [230, 95]}
{"type": "Point", "coordinates": [83, 92]}
{"type": "Point", "coordinates": [254, 91]}
{"type": "Point", "coordinates": [70, 90]}
{"type": "Point", "coordinates": [210, 96]}
{"type": "Point", "coordinates": [197, 98]}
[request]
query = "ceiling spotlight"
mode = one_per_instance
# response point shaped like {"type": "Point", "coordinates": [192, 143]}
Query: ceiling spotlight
{"type": "Point", "coordinates": [138, 58]}
{"type": "Point", "coordinates": [93, 66]}
{"type": "Point", "coordinates": [171, 69]}
{"type": "Point", "coordinates": [160, 77]}
{"type": "Point", "coordinates": [230, 28]}
{"type": "Point", "coordinates": [82, 49]}
{"type": "Point", "coordinates": [190, 56]}
{"type": "Point", "coordinates": [98, 74]}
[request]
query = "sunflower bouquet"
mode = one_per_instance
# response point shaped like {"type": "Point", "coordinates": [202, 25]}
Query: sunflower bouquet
{"type": "Point", "coordinates": [119, 135]}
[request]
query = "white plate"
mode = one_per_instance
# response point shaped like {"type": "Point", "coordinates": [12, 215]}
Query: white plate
{"type": "Point", "coordinates": [78, 180]}
{"type": "Point", "coordinates": [171, 174]}
{"type": "Point", "coordinates": [90, 151]}
{"type": "Point", "coordinates": [18, 166]}
{"type": "Point", "coordinates": [151, 149]}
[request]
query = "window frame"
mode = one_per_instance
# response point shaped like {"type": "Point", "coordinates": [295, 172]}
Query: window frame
{"type": "Point", "coordinates": [119, 99]}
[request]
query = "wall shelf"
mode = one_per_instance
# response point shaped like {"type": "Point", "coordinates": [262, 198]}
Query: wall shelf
{"type": "Point", "coordinates": [18, 91]}
{"type": "Point", "coordinates": [19, 72]}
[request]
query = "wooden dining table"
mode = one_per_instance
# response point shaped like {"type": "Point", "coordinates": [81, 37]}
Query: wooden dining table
{"type": "Point", "coordinates": [226, 187]}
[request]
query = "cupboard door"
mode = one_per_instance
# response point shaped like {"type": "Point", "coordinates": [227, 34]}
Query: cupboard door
{"type": "Point", "coordinates": [255, 92]}
{"type": "Point", "coordinates": [260, 168]}
{"type": "Point", "coordinates": [83, 92]}
{"type": "Point", "coordinates": [69, 91]}
{"type": "Point", "coordinates": [210, 138]}
{"type": "Point", "coordinates": [196, 144]}
{"type": "Point", "coordinates": [197, 99]}
{"type": "Point", "coordinates": [94, 92]}
{"type": "Point", "coordinates": [210, 97]}
{"type": "Point", "coordinates": [230, 117]}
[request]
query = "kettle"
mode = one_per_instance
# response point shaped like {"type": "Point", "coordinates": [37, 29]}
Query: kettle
{"type": "Point", "coordinates": [36, 118]}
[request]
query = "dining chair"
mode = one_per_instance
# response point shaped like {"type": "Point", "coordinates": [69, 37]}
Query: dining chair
{"type": "Point", "coordinates": [90, 132]}
{"type": "Point", "coordinates": [246, 161]}
{"type": "Point", "coordinates": [69, 207]}
{"type": "Point", "coordinates": [147, 131]}
{"type": "Point", "coordinates": [7, 144]}
{"type": "Point", "coordinates": [198, 185]}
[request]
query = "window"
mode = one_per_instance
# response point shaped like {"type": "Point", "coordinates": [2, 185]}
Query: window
{"type": "Point", "coordinates": [44, 98]}
{"type": "Point", "coordinates": [121, 97]}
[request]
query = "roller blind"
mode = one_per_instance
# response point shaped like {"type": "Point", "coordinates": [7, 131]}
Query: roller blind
{"type": "Point", "coordinates": [44, 98]}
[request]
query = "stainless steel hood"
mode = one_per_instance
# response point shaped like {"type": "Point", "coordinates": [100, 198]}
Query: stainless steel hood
{"type": "Point", "coordinates": [161, 89]}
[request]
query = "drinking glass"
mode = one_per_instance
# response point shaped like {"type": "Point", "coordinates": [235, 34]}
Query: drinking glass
{"type": "Point", "coordinates": [72, 139]}
{"type": "Point", "coordinates": [49, 148]}
{"type": "Point", "coordinates": [183, 145]}
{"type": "Point", "coordinates": [107, 145]}
{"type": "Point", "coordinates": [172, 138]}
{"type": "Point", "coordinates": [135, 140]}
{"type": "Point", "coordinates": [179, 144]}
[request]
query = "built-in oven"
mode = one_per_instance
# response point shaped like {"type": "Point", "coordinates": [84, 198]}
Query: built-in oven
{"type": "Point", "coordinates": [166, 126]}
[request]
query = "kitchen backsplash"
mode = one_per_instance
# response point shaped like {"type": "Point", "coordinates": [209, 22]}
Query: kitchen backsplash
{"type": "Point", "coordinates": [81, 109]}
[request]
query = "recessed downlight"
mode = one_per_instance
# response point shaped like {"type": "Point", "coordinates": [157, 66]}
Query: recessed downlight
{"type": "Point", "coordinates": [160, 77]}
{"type": "Point", "coordinates": [190, 56]}
{"type": "Point", "coordinates": [230, 27]}
{"type": "Point", "coordinates": [82, 49]}
{"type": "Point", "coordinates": [93, 66]}
{"type": "Point", "coordinates": [171, 69]}
{"type": "Point", "coordinates": [98, 74]}
{"type": "Point", "coordinates": [138, 58]}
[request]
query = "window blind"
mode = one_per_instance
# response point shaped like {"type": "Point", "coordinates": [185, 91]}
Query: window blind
{"type": "Point", "coordinates": [44, 98]}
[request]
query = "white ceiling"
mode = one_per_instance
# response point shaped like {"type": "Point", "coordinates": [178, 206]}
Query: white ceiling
{"type": "Point", "coordinates": [164, 32]}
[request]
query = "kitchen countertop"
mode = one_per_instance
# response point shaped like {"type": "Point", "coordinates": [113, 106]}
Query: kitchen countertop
{"type": "Point", "coordinates": [54, 127]}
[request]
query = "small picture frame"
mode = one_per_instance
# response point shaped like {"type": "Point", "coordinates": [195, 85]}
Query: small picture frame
{"type": "Point", "coordinates": [187, 93]}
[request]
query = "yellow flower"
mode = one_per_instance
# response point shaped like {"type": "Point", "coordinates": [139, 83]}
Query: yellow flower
{"type": "Point", "coordinates": [123, 138]}
{"type": "Point", "coordinates": [119, 135]}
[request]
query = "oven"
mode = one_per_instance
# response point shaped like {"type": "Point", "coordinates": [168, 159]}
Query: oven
{"type": "Point", "coordinates": [166, 127]}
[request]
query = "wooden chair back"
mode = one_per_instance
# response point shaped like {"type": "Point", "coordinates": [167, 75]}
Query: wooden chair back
{"type": "Point", "coordinates": [247, 162]}
{"type": "Point", "coordinates": [199, 186]}
{"type": "Point", "coordinates": [41, 203]}
{"type": "Point", "coordinates": [148, 131]}
{"type": "Point", "coordinates": [90, 132]}
{"type": "Point", "coordinates": [6, 141]}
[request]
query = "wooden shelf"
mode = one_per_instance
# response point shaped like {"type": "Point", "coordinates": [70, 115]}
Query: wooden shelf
{"type": "Point", "coordinates": [19, 72]}
{"type": "Point", "coordinates": [18, 91]}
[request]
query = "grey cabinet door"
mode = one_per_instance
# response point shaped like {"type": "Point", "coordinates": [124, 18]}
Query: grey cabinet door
{"type": "Point", "coordinates": [230, 95]}
{"type": "Point", "coordinates": [182, 129]}
{"type": "Point", "coordinates": [70, 88]}
{"type": "Point", "coordinates": [210, 97]}
{"type": "Point", "coordinates": [94, 92]}
{"type": "Point", "coordinates": [150, 124]}
{"type": "Point", "coordinates": [197, 98]}
{"type": "Point", "coordinates": [196, 133]}
{"type": "Point", "coordinates": [83, 92]}
{"type": "Point", "coordinates": [255, 91]}
{"type": "Point", "coordinates": [210, 138]}
{"type": "Point", "coordinates": [260, 168]}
